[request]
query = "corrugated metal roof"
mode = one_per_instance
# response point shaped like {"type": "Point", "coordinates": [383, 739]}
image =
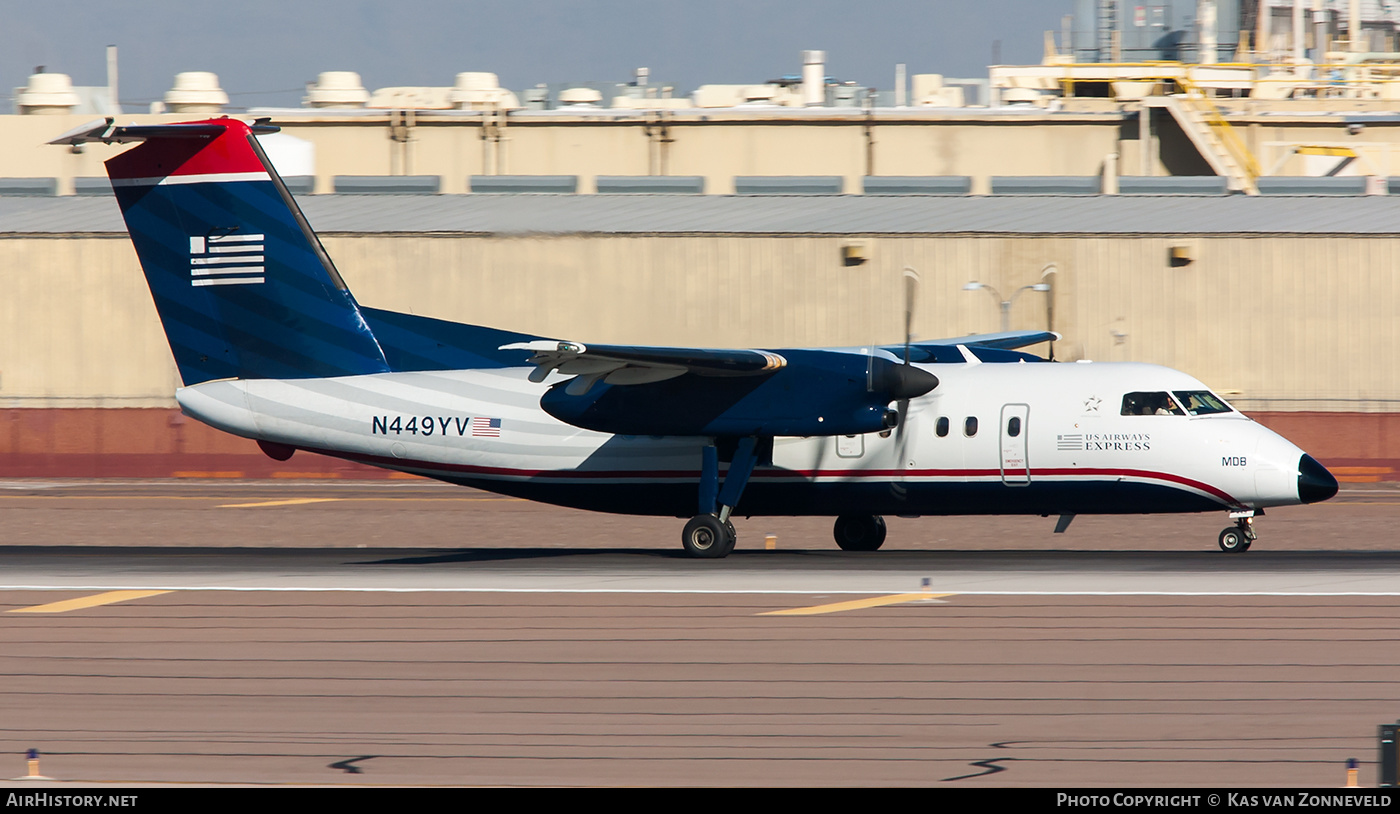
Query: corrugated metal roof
{"type": "Point", "coordinates": [779, 214]}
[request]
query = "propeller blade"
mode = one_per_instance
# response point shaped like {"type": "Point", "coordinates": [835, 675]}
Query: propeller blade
{"type": "Point", "coordinates": [911, 287]}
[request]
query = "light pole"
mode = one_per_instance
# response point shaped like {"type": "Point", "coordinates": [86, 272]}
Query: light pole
{"type": "Point", "coordinates": [1006, 304]}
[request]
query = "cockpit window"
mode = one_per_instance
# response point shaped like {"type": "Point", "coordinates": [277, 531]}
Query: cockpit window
{"type": "Point", "coordinates": [1202, 402]}
{"type": "Point", "coordinates": [1151, 403]}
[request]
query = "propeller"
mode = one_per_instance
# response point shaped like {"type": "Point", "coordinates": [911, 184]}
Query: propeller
{"type": "Point", "coordinates": [907, 370]}
{"type": "Point", "coordinates": [901, 382]}
{"type": "Point", "coordinates": [911, 288]}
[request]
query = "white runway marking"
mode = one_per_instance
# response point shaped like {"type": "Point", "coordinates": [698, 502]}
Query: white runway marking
{"type": "Point", "coordinates": [486, 571]}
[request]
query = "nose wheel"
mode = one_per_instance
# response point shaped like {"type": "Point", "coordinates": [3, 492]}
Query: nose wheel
{"type": "Point", "coordinates": [1238, 537]}
{"type": "Point", "coordinates": [708, 537]}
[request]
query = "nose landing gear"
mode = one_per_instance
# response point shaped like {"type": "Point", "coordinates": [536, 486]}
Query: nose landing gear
{"type": "Point", "coordinates": [708, 537]}
{"type": "Point", "coordinates": [1240, 536]}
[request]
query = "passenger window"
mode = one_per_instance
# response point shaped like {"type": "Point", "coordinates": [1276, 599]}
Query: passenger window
{"type": "Point", "coordinates": [1013, 427]}
{"type": "Point", "coordinates": [941, 428]}
{"type": "Point", "coordinates": [970, 426]}
{"type": "Point", "coordinates": [1150, 403]}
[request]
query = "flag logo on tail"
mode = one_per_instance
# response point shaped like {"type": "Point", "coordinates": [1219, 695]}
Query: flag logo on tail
{"type": "Point", "coordinates": [486, 427]}
{"type": "Point", "coordinates": [232, 259]}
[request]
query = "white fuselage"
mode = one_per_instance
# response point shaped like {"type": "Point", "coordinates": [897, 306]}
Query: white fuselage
{"type": "Point", "coordinates": [1069, 450]}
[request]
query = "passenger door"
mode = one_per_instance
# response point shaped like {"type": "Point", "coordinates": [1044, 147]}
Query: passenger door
{"type": "Point", "coordinates": [1015, 467]}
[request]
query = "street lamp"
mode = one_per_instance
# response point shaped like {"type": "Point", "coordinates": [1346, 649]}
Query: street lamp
{"type": "Point", "coordinates": [1006, 303]}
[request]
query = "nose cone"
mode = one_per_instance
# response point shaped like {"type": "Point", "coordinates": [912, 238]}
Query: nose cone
{"type": "Point", "coordinates": [1315, 483]}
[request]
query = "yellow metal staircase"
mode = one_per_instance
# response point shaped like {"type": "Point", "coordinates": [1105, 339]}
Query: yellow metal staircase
{"type": "Point", "coordinates": [1217, 141]}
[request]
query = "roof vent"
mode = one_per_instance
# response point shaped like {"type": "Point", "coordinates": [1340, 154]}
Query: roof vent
{"type": "Point", "coordinates": [336, 89]}
{"type": "Point", "coordinates": [47, 93]}
{"type": "Point", "coordinates": [580, 96]}
{"type": "Point", "coordinates": [196, 92]}
{"type": "Point", "coordinates": [479, 90]}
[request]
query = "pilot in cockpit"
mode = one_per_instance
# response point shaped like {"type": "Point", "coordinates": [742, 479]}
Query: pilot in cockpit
{"type": "Point", "coordinates": [1159, 403]}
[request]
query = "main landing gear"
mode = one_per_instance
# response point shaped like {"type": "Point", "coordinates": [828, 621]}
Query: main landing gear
{"type": "Point", "coordinates": [859, 532]}
{"type": "Point", "coordinates": [1240, 536]}
{"type": "Point", "coordinates": [709, 534]}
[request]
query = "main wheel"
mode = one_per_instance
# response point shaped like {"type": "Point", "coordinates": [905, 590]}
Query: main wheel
{"type": "Point", "coordinates": [859, 532]}
{"type": "Point", "coordinates": [705, 536]}
{"type": "Point", "coordinates": [1234, 540]}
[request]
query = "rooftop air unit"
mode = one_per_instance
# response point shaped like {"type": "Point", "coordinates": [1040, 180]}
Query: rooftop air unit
{"type": "Point", "coordinates": [46, 94]}
{"type": "Point", "coordinates": [196, 92]}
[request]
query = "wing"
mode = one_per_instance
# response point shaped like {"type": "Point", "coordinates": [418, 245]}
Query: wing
{"type": "Point", "coordinates": [627, 364]}
{"type": "Point", "coordinates": [708, 392]}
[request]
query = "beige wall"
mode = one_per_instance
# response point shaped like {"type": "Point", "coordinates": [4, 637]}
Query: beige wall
{"type": "Point", "coordinates": [721, 144]}
{"type": "Point", "coordinates": [716, 145]}
{"type": "Point", "coordinates": [1279, 322]}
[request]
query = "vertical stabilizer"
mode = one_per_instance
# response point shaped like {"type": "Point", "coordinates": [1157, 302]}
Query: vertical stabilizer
{"type": "Point", "coordinates": [243, 286]}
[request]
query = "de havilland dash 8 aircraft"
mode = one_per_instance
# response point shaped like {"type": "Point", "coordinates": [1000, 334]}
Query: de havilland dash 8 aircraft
{"type": "Point", "coordinates": [271, 346]}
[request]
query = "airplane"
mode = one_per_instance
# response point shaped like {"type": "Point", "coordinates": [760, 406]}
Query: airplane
{"type": "Point", "coordinates": [272, 346]}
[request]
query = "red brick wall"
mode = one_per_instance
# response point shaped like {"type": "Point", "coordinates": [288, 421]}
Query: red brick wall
{"type": "Point", "coordinates": [162, 443]}
{"type": "Point", "coordinates": [1357, 447]}
{"type": "Point", "coordinates": [144, 443]}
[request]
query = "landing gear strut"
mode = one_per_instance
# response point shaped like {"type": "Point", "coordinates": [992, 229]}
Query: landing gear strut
{"type": "Point", "coordinates": [709, 534]}
{"type": "Point", "coordinates": [1240, 536]}
{"type": "Point", "coordinates": [859, 532]}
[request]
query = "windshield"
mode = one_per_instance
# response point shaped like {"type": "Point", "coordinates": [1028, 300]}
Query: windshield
{"type": "Point", "coordinates": [1149, 403]}
{"type": "Point", "coordinates": [1202, 402]}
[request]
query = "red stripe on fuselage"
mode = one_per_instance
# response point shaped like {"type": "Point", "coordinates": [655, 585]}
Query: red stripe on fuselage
{"type": "Point", "coordinates": [694, 474]}
{"type": "Point", "coordinates": [194, 155]}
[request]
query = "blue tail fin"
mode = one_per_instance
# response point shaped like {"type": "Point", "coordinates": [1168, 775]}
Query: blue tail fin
{"type": "Point", "coordinates": [243, 286]}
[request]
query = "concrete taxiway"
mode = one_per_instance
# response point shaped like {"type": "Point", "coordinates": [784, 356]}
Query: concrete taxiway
{"type": "Point", "coordinates": [172, 632]}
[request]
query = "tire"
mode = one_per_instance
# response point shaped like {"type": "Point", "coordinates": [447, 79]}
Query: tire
{"type": "Point", "coordinates": [705, 537]}
{"type": "Point", "coordinates": [859, 532]}
{"type": "Point", "coordinates": [1233, 540]}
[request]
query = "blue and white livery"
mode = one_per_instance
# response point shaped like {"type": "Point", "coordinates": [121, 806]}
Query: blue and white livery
{"type": "Point", "coordinates": [272, 346]}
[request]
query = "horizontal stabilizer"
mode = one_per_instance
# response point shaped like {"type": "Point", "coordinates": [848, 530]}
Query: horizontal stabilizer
{"type": "Point", "coordinates": [107, 132]}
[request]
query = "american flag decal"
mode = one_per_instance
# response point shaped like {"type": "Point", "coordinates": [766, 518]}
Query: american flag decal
{"type": "Point", "coordinates": [1069, 442]}
{"type": "Point", "coordinates": [486, 427]}
{"type": "Point", "coordinates": [226, 260]}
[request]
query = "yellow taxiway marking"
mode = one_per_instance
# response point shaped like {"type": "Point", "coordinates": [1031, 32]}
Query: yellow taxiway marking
{"type": "Point", "coordinates": [300, 500]}
{"type": "Point", "coordinates": [296, 501]}
{"type": "Point", "coordinates": [88, 601]}
{"type": "Point", "coordinates": [855, 604]}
